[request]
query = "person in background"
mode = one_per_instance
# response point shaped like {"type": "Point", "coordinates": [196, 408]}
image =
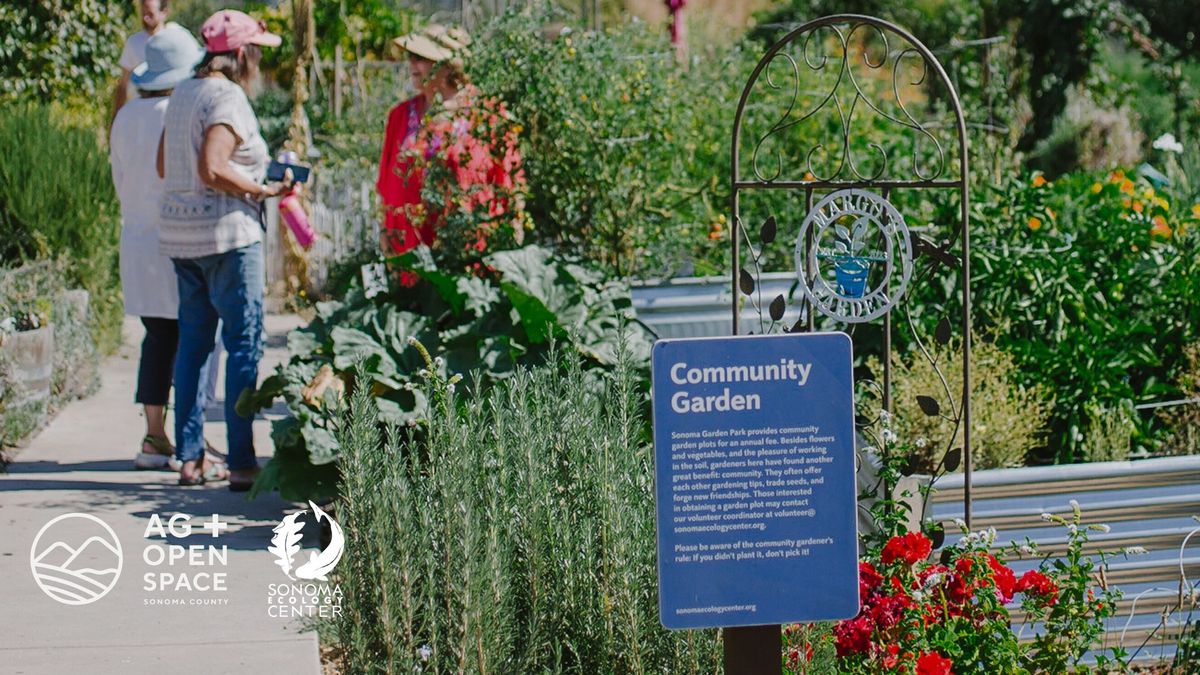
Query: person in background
{"type": "Point", "coordinates": [436, 75]}
{"type": "Point", "coordinates": [154, 19]}
{"type": "Point", "coordinates": [147, 276]}
{"type": "Point", "coordinates": [214, 160]}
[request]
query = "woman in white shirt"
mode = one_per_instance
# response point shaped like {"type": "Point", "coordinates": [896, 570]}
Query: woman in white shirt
{"type": "Point", "coordinates": [148, 277]}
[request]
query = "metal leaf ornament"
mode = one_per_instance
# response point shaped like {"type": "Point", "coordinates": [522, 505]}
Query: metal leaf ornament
{"type": "Point", "coordinates": [942, 332]}
{"type": "Point", "coordinates": [929, 405]}
{"type": "Point", "coordinates": [766, 235]}
{"type": "Point", "coordinates": [952, 460]}
{"type": "Point", "coordinates": [778, 305]}
{"type": "Point", "coordinates": [746, 282]}
{"type": "Point", "coordinates": [936, 533]}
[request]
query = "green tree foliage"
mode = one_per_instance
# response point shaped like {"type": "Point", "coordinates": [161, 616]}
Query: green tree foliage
{"type": "Point", "coordinates": [55, 48]}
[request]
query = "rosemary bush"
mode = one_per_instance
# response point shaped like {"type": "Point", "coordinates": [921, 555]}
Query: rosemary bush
{"type": "Point", "coordinates": [517, 536]}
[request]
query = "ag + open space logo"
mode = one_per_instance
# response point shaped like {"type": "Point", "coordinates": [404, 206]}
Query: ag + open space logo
{"type": "Point", "coordinates": [76, 559]}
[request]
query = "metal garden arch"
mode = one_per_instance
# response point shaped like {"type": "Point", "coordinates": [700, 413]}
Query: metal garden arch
{"type": "Point", "coordinates": [855, 256]}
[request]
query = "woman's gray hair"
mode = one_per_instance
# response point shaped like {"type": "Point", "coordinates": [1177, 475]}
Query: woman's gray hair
{"type": "Point", "coordinates": [240, 65]}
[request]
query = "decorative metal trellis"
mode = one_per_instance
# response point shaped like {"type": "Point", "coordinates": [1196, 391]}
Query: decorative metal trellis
{"type": "Point", "coordinates": [856, 258]}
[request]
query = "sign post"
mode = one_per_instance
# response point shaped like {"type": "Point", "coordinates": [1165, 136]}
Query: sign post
{"type": "Point", "coordinates": [755, 487]}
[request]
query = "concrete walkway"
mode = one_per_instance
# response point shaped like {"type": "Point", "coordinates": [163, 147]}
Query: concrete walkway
{"type": "Point", "coordinates": [82, 462]}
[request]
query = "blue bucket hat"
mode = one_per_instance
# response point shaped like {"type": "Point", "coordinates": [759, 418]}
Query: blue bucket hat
{"type": "Point", "coordinates": [171, 57]}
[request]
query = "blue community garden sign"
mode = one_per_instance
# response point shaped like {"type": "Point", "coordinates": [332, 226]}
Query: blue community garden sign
{"type": "Point", "coordinates": [754, 473]}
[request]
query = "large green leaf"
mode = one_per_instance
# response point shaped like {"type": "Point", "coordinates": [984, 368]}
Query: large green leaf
{"type": "Point", "coordinates": [352, 346]}
{"type": "Point", "coordinates": [322, 446]}
{"type": "Point", "coordinates": [546, 296]}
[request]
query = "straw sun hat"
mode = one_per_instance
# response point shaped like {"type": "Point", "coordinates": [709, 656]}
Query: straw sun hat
{"type": "Point", "coordinates": [435, 43]}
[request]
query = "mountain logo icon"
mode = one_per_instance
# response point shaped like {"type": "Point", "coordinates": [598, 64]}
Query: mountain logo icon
{"type": "Point", "coordinates": [76, 559]}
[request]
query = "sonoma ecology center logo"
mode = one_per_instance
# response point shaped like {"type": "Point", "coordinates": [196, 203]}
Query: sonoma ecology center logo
{"type": "Point", "coordinates": [76, 559]}
{"type": "Point", "coordinates": [309, 593]}
{"type": "Point", "coordinates": [286, 544]}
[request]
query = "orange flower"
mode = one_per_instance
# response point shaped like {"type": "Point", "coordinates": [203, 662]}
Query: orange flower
{"type": "Point", "coordinates": [716, 231]}
{"type": "Point", "coordinates": [1116, 176]}
{"type": "Point", "coordinates": [808, 175]}
{"type": "Point", "coordinates": [1127, 187]}
{"type": "Point", "coordinates": [1039, 180]}
{"type": "Point", "coordinates": [1035, 223]}
{"type": "Point", "coordinates": [1138, 207]}
{"type": "Point", "coordinates": [1160, 228]}
{"type": "Point", "coordinates": [1127, 203]}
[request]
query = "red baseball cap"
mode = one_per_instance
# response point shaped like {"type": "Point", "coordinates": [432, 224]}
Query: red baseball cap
{"type": "Point", "coordinates": [230, 29]}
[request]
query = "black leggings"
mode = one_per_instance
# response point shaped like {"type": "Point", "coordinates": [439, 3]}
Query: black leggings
{"type": "Point", "coordinates": [158, 360]}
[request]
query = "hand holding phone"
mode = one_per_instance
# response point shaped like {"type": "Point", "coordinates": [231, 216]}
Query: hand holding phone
{"type": "Point", "coordinates": [277, 171]}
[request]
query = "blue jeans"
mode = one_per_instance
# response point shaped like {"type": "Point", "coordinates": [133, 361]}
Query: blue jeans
{"type": "Point", "coordinates": [225, 288]}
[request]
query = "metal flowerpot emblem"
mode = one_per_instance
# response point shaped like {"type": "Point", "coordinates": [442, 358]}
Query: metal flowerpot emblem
{"type": "Point", "coordinates": [853, 256]}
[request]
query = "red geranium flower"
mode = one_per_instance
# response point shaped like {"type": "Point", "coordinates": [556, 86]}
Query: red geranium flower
{"type": "Point", "coordinates": [853, 636]}
{"type": "Point", "coordinates": [933, 663]}
{"type": "Point", "coordinates": [889, 610]}
{"type": "Point", "coordinates": [869, 579]}
{"type": "Point", "coordinates": [1006, 581]}
{"type": "Point", "coordinates": [911, 548]}
{"type": "Point", "coordinates": [1038, 585]}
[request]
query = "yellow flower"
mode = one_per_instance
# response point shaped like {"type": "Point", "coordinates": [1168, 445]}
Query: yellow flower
{"type": "Point", "coordinates": [1035, 223]}
{"type": "Point", "coordinates": [570, 51]}
{"type": "Point", "coordinates": [1096, 188]}
{"type": "Point", "coordinates": [1196, 210]}
{"type": "Point", "coordinates": [1148, 193]}
{"type": "Point", "coordinates": [1039, 180]}
{"type": "Point", "coordinates": [1162, 203]}
{"type": "Point", "coordinates": [1127, 187]}
{"type": "Point", "coordinates": [1160, 228]}
{"type": "Point", "coordinates": [583, 98]}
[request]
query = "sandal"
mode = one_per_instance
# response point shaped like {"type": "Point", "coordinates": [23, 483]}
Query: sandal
{"type": "Point", "coordinates": [207, 471]}
{"type": "Point", "coordinates": [162, 457]}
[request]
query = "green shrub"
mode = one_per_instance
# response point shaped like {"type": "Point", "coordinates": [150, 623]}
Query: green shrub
{"type": "Point", "coordinates": [518, 538]}
{"type": "Point", "coordinates": [1008, 418]}
{"type": "Point", "coordinates": [1089, 282]}
{"type": "Point", "coordinates": [51, 49]}
{"type": "Point", "coordinates": [626, 152]}
{"type": "Point", "coordinates": [57, 201]}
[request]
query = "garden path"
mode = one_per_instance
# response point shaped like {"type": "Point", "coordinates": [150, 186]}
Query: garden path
{"type": "Point", "coordinates": [82, 462]}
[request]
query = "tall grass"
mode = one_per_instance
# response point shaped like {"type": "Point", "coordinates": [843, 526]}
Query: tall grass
{"type": "Point", "coordinates": [57, 202]}
{"type": "Point", "coordinates": [516, 536]}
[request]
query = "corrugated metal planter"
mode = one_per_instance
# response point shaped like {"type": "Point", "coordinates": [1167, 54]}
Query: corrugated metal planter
{"type": "Point", "coordinates": [26, 375]}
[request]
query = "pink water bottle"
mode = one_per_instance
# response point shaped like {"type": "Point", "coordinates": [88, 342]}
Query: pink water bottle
{"type": "Point", "coordinates": [292, 211]}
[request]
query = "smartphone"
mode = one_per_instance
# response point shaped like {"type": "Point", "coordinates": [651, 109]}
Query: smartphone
{"type": "Point", "coordinates": [276, 170]}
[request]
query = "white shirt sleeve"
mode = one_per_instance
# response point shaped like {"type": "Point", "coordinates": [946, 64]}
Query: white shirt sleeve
{"type": "Point", "coordinates": [134, 52]}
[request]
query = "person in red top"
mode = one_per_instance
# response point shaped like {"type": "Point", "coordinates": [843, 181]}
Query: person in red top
{"type": "Point", "coordinates": [436, 75]}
